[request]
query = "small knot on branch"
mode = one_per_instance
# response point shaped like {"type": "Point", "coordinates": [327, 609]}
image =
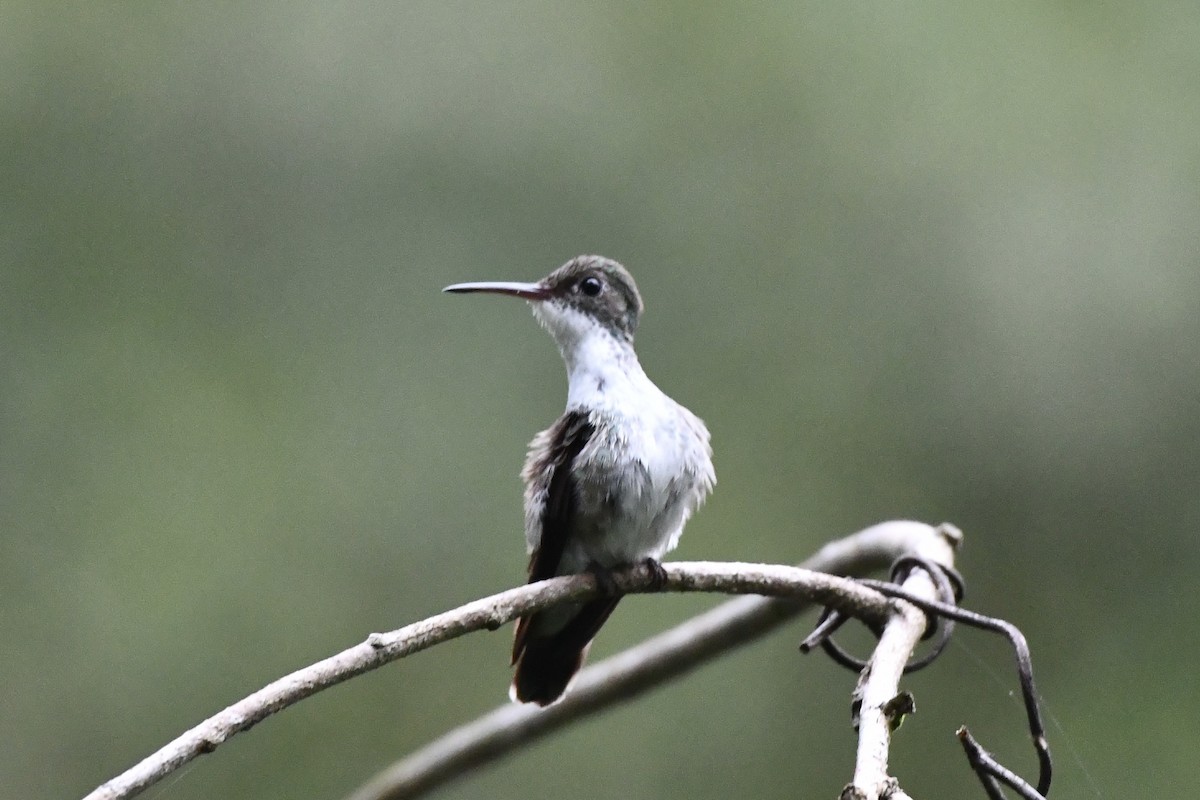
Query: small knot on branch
{"type": "Point", "coordinates": [951, 533]}
{"type": "Point", "coordinates": [898, 708]}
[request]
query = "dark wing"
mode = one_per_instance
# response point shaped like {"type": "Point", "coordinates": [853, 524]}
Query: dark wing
{"type": "Point", "coordinates": [551, 463]}
{"type": "Point", "coordinates": [568, 437]}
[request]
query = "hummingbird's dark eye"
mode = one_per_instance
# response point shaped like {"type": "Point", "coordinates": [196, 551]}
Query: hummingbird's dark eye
{"type": "Point", "coordinates": [591, 286]}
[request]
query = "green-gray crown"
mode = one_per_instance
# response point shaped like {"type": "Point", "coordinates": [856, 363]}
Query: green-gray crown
{"type": "Point", "coordinates": [600, 288]}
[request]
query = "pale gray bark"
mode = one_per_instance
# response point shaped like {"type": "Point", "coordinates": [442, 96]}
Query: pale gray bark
{"type": "Point", "coordinates": [650, 663]}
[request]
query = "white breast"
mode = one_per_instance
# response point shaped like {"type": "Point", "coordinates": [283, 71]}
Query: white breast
{"type": "Point", "coordinates": [648, 465]}
{"type": "Point", "coordinates": [645, 471]}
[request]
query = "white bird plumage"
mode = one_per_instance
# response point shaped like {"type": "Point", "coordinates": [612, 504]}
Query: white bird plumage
{"type": "Point", "coordinates": [614, 480]}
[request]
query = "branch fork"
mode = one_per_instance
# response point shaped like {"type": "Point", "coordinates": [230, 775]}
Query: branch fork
{"type": "Point", "coordinates": [783, 593]}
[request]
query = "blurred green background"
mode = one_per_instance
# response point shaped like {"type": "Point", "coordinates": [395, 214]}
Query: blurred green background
{"type": "Point", "coordinates": [906, 260]}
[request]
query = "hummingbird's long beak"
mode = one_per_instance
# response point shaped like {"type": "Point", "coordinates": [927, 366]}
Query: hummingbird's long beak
{"type": "Point", "coordinates": [527, 291]}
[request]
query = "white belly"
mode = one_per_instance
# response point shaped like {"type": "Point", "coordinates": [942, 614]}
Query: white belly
{"type": "Point", "coordinates": [637, 482]}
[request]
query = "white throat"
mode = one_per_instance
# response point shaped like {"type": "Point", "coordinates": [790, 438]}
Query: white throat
{"type": "Point", "coordinates": [602, 369]}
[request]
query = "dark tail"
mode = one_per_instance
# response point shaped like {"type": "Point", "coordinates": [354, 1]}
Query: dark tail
{"type": "Point", "coordinates": [546, 664]}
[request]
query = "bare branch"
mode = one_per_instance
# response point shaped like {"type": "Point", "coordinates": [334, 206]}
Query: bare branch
{"type": "Point", "coordinates": [879, 685]}
{"type": "Point", "coordinates": [990, 770]}
{"type": "Point", "coordinates": [985, 766]}
{"type": "Point", "coordinates": [653, 662]}
{"type": "Point", "coordinates": [794, 583]}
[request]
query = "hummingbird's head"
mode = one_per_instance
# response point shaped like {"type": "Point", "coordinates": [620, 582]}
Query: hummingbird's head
{"type": "Point", "coordinates": [588, 291]}
{"type": "Point", "coordinates": [584, 295]}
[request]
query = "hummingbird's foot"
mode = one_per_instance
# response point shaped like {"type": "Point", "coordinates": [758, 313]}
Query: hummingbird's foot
{"type": "Point", "coordinates": [604, 580]}
{"type": "Point", "coordinates": [658, 575]}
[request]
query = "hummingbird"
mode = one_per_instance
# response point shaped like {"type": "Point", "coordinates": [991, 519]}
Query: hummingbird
{"type": "Point", "coordinates": [613, 481]}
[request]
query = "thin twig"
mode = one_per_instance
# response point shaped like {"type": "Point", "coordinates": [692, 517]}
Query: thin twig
{"type": "Point", "coordinates": [651, 663]}
{"type": "Point", "coordinates": [990, 770]}
{"type": "Point", "coordinates": [492, 612]}
{"type": "Point", "coordinates": [950, 590]}
{"type": "Point", "coordinates": [1037, 730]}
